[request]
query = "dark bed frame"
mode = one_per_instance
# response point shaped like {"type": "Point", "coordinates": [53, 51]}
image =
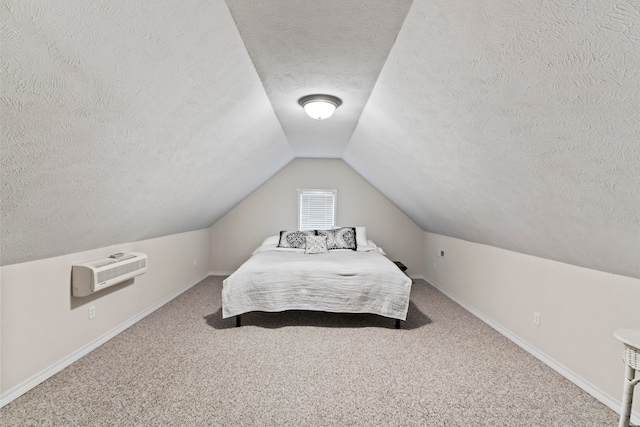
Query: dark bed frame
{"type": "Point", "coordinates": [239, 322]}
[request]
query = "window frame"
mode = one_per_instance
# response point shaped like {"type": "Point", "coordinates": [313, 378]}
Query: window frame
{"type": "Point", "coordinates": [320, 191]}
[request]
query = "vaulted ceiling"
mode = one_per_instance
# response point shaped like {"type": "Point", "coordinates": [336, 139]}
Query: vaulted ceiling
{"type": "Point", "coordinates": [512, 124]}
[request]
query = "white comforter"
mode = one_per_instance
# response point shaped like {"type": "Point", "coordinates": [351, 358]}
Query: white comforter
{"type": "Point", "coordinates": [337, 281]}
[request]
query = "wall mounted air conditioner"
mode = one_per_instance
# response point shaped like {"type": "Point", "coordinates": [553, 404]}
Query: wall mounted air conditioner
{"type": "Point", "coordinates": [93, 276]}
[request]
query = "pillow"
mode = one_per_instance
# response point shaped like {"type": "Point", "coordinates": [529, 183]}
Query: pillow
{"type": "Point", "coordinates": [271, 240]}
{"type": "Point", "coordinates": [341, 238]}
{"type": "Point", "coordinates": [361, 237]}
{"type": "Point", "coordinates": [294, 239]}
{"type": "Point", "coordinates": [367, 248]}
{"type": "Point", "coordinates": [377, 248]}
{"type": "Point", "coordinates": [275, 248]}
{"type": "Point", "coordinates": [316, 245]}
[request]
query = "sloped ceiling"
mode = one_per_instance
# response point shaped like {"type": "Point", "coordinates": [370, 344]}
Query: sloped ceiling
{"type": "Point", "coordinates": [126, 120]}
{"type": "Point", "coordinates": [305, 47]}
{"type": "Point", "coordinates": [512, 124]}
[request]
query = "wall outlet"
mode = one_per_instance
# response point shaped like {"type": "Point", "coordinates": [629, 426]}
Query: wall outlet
{"type": "Point", "coordinates": [92, 312]}
{"type": "Point", "coordinates": [536, 318]}
{"type": "Point", "coordinates": [441, 253]}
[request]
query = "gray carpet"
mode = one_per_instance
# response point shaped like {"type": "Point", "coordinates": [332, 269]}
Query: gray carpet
{"type": "Point", "coordinates": [185, 366]}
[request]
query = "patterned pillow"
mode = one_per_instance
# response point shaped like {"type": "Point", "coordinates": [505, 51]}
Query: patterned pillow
{"type": "Point", "coordinates": [316, 245]}
{"type": "Point", "coordinates": [294, 239]}
{"type": "Point", "coordinates": [340, 238]}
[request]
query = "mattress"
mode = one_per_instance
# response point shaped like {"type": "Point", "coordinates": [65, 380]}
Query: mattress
{"type": "Point", "coordinates": [342, 281]}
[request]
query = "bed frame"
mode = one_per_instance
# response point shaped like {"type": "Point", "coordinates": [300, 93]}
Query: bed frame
{"type": "Point", "coordinates": [239, 322]}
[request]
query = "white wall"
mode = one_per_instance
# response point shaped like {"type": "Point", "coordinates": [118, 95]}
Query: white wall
{"type": "Point", "coordinates": [273, 207]}
{"type": "Point", "coordinates": [42, 324]}
{"type": "Point", "coordinates": [579, 308]}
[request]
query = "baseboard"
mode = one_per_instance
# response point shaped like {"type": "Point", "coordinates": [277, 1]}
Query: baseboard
{"type": "Point", "coordinates": [417, 277]}
{"type": "Point", "coordinates": [611, 402]}
{"type": "Point", "coordinates": [220, 273]}
{"type": "Point", "coordinates": [20, 389]}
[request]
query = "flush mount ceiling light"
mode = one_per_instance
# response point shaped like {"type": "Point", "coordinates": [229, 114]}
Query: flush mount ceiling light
{"type": "Point", "coordinates": [320, 107]}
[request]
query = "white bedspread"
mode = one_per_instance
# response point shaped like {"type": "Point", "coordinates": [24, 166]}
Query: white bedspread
{"type": "Point", "coordinates": [338, 281]}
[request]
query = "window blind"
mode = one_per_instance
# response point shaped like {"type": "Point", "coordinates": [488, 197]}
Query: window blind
{"type": "Point", "coordinates": [317, 209]}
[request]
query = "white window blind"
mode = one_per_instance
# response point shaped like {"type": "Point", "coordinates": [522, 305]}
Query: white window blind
{"type": "Point", "coordinates": [317, 209]}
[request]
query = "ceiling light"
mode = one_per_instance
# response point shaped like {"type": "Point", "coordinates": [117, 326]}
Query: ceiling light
{"type": "Point", "coordinates": [319, 107]}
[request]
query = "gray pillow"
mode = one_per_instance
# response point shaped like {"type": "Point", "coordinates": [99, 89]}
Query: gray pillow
{"type": "Point", "coordinates": [316, 245]}
{"type": "Point", "coordinates": [294, 239]}
{"type": "Point", "coordinates": [340, 238]}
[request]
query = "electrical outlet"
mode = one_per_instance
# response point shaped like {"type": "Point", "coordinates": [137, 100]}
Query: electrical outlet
{"type": "Point", "coordinates": [536, 318]}
{"type": "Point", "coordinates": [92, 312]}
{"type": "Point", "coordinates": [441, 254]}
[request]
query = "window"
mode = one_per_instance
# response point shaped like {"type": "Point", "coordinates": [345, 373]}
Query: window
{"type": "Point", "coordinates": [316, 209]}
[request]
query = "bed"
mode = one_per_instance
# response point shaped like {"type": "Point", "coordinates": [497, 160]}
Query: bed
{"type": "Point", "coordinates": [295, 271]}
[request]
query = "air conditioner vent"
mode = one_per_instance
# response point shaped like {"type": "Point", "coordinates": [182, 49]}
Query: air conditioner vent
{"type": "Point", "coordinates": [121, 270]}
{"type": "Point", "coordinates": [103, 262]}
{"type": "Point", "coordinates": [96, 275]}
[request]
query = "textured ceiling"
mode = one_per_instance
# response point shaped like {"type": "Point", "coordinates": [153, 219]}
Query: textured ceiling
{"type": "Point", "coordinates": [124, 121]}
{"type": "Point", "coordinates": [305, 47]}
{"type": "Point", "coordinates": [512, 124]}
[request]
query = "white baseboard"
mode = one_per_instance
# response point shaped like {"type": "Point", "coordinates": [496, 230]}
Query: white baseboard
{"type": "Point", "coordinates": [417, 276]}
{"type": "Point", "coordinates": [611, 402]}
{"type": "Point", "coordinates": [20, 389]}
{"type": "Point", "coordinates": [220, 273]}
